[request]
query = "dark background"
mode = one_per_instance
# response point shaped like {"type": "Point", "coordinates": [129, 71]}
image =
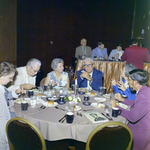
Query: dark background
{"type": "Point", "coordinates": [65, 23]}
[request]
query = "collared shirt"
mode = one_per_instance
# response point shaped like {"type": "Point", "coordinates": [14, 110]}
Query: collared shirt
{"type": "Point", "coordinates": [114, 52]}
{"type": "Point", "coordinates": [22, 78]}
{"type": "Point", "coordinates": [96, 52]}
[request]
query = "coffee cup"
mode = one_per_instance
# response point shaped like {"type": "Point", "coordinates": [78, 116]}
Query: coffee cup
{"type": "Point", "coordinates": [30, 93]}
{"type": "Point", "coordinates": [61, 98]}
{"type": "Point", "coordinates": [45, 88]}
{"type": "Point", "coordinates": [24, 105]}
{"type": "Point", "coordinates": [86, 97]}
{"type": "Point", "coordinates": [116, 112]}
{"type": "Point", "coordinates": [69, 117]}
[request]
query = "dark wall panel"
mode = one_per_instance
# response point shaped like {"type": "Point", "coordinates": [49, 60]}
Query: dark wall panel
{"type": "Point", "coordinates": [51, 28]}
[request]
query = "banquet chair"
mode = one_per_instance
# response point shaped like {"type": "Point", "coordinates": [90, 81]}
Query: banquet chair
{"type": "Point", "coordinates": [110, 136]}
{"type": "Point", "coordinates": [23, 135]}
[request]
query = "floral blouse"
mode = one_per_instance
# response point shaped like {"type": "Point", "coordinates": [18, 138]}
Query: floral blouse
{"type": "Point", "coordinates": [63, 81]}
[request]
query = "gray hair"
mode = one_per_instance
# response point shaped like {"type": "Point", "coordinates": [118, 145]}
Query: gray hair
{"type": "Point", "coordinates": [129, 67]}
{"type": "Point", "coordinates": [32, 61]}
{"type": "Point", "coordinates": [88, 59]}
{"type": "Point", "coordinates": [141, 76]}
{"type": "Point", "coordinates": [7, 68]}
{"type": "Point", "coordinates": [55, 63]}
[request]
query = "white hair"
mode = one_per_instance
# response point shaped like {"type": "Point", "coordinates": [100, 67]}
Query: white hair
{"type": "Point", "coordinates": [88, 59]}
{"type": "Point", "coordinates": [32, 61]}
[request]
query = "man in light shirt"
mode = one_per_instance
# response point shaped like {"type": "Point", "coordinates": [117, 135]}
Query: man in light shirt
{"type": "Point", "coordinates": [26, 76]}
{"type": "Point", "coordinates": [116, 53]}
{"type": "Point", "coordinates": [89, 77]}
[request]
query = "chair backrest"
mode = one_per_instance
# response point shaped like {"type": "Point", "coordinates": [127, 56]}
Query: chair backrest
{"type": "Point", "coordinates": [110, 136]}
{"type": "Point", "coordinates": [23, 135]}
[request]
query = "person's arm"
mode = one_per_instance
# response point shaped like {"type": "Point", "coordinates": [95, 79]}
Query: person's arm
{"type": "Point", "coordinates": [137, 111]}
{"type": "Point", "coordinates": [79, 79]}
{"type": "Point", "coordinates": [110, 55]}
{"type": "Point", "coordinates": [68, 83]}
{"type": "Point", "coordinates": [147, 56]}
{"type": "Point", "coordinates": [93, 53]}
{"type": "Point", "coordinates": [76, 53]}
{"type": "Point", "coordinates": [129, 94]}
{"type": "Point", "coordinates": [124, 56]}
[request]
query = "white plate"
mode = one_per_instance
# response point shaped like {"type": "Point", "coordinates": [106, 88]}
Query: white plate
{"type": "Point", "coordinates": [51, 98]}
{"type": "Point", "coordinates": [122, 105]}
{"type": "Point", "coordinates": [19, 100]}
{"type": "Point", "coordinates": [76, 109]}
{"type": "Point", "coordinates": [46, 104]}
{"type": "Point", "coordinates": [96, 106]}
{"type": "Point", "coordinates": [58, 87]}
{"type": "Point", "coordinates": [70, 91]}
{"type": "Point", "coordinates": [89, 94]}
{"type": "Point", "coordinates": [98, 99]}
{"type": "Point", "coordinates": [107, 95]}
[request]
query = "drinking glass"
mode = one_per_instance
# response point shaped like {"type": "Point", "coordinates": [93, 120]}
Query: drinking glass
{"type": "Point", "coordinates": [100, 90]}
{"type": "Point", "coordinates": [33, 100]}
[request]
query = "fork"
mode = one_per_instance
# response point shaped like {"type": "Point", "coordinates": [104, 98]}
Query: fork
{"type": "Point", "coordinates": [87, 109]}
{"type": "Point", "coordinates": [59, 108]}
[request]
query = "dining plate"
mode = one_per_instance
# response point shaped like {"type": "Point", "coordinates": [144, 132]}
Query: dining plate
{"type": "Point", "coordinates": [19, 100]}
{"type": "Point", "coordinates": [97, 105]}
{"type": "Point", "coordinates": [107, 95]}
{"type": "Point", "coordinates": [77, 108]}
{"type": "Point", "coordinates": [58, 87]}
{"type": "Point", "coordinates": [91, 94]}
{"type": "Point", "coordinates": [99, 99]}
{"type": "Point", "coordinates": [46, 104]}
{"type": "Point", "coordinates": [51, 98]}
{"type": "Point", "coordinates": [122, 105]}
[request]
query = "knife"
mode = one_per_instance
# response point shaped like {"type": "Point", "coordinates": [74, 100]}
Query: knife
{"type": "Point", "coordinates": [108, 117]}
{"type": "Point", "coordinates": [62, 118]}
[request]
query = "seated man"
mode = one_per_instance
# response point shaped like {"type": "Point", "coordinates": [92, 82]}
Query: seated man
{"type": "Point", "coordinates": [116, 53]}
{"type": "Point", "coordinates": [139, 113]}
{"type": "Point", "coordinates": [100, 51]}
{"type": "Point", "coordinates": [83, 50]}
{"type": "Point", "coordinates": [89, 77]}
{"type": "Point", "coordinates": [26, 75]}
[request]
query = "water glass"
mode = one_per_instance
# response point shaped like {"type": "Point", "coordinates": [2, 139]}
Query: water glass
{"type": "Point", "coordinates": [100, 90]}
{"type": "Point", "coordinates": [33, 100]}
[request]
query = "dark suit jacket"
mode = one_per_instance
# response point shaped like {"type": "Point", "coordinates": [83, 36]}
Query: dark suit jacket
{"type": "Point", "coordinates": [136, 55]}
{"type": "Point", "coordinates": [79, 51]}
{"type": "Point", "coordinates": [97, 79]}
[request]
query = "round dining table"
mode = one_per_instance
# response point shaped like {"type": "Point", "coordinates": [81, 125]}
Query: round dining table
{"type": "Point", "coordinates": [47, 120]}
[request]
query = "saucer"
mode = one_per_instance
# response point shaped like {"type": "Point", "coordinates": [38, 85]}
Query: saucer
{"type": "Point", "coordinates": [86, 103]}
{"type": "Point", "coordinates": [61, 103]}
{"type": "Point", "coordinates": [81, 92]}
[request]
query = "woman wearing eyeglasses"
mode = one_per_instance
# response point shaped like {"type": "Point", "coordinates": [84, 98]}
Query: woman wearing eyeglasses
{"type": "Point", "coordinates": [7, 72]}
{"type": "Point", "coordinates": [57, 77]}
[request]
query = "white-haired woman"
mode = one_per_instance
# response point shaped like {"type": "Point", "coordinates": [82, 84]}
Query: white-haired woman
{"type": "Point", "coordinates": [57, 77]}
{"type": "Point", "coordinates": [7, 72]}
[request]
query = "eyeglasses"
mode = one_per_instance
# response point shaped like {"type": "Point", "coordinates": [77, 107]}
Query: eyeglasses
{"type": "Point", "coordinates": [35, 71]}
{"type": "Point", "coordinates": [88, 65]}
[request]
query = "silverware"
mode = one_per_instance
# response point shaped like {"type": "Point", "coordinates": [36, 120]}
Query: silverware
{"type": "Point", "coordinates": [59, 108]}
{"type": "Point", "coordinates": [107, 116]}
{"type": "Point", "coordinates": [62, 118]}
{"type": "Point", "coordinates": [88, 110]}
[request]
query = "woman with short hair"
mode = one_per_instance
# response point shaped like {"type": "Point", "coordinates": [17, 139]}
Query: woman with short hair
{"type": "Point", "coordinates": [57, 77]}
{"type": "Point", "coordinates": [122, 87]}
{"type": "Point", "coordinates": [7, 72]}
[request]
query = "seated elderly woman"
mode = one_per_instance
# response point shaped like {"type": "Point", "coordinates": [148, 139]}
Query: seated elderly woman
{"type": "Point", "coordinates": [57, 77]}
{"type": "Point", "coordinates": [7, 72]}
{"type": "Point", "coordinates": [122, 87]}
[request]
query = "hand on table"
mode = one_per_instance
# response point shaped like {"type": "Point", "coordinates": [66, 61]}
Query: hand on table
{"type": "Point", "coordinates": [53, 83]}
{"type": "Point", "coordinates": [113, 103]}
{"type": "Point", "coordinates": [121, 86]}
{"type": "Point", "coordinates": [19, 91]}
{"type": "Point", "coordinates": [117, 55]}
{"type": "Point", "coordinates": [119, 97]}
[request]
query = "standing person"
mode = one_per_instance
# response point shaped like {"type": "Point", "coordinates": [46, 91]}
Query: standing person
{"type": "Point", "coordinates": [139, 113]}
{"type": "Point", "coordinates": [116, 53]}
{"type": "Point", "coordinates": [7, 72]}
{"type": "Point", "coordinates": [136, 55]}
{"type": "Point", "coordinates": [100, 51]}
{"type": "Point", "coordinates": [26, 77]}
{"type": "Point", "coordinates": [83, 50]}
{"type": "Point", "coordinates": [89, 77]}
{"type": "Point", "coordinates": [57, 77]}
